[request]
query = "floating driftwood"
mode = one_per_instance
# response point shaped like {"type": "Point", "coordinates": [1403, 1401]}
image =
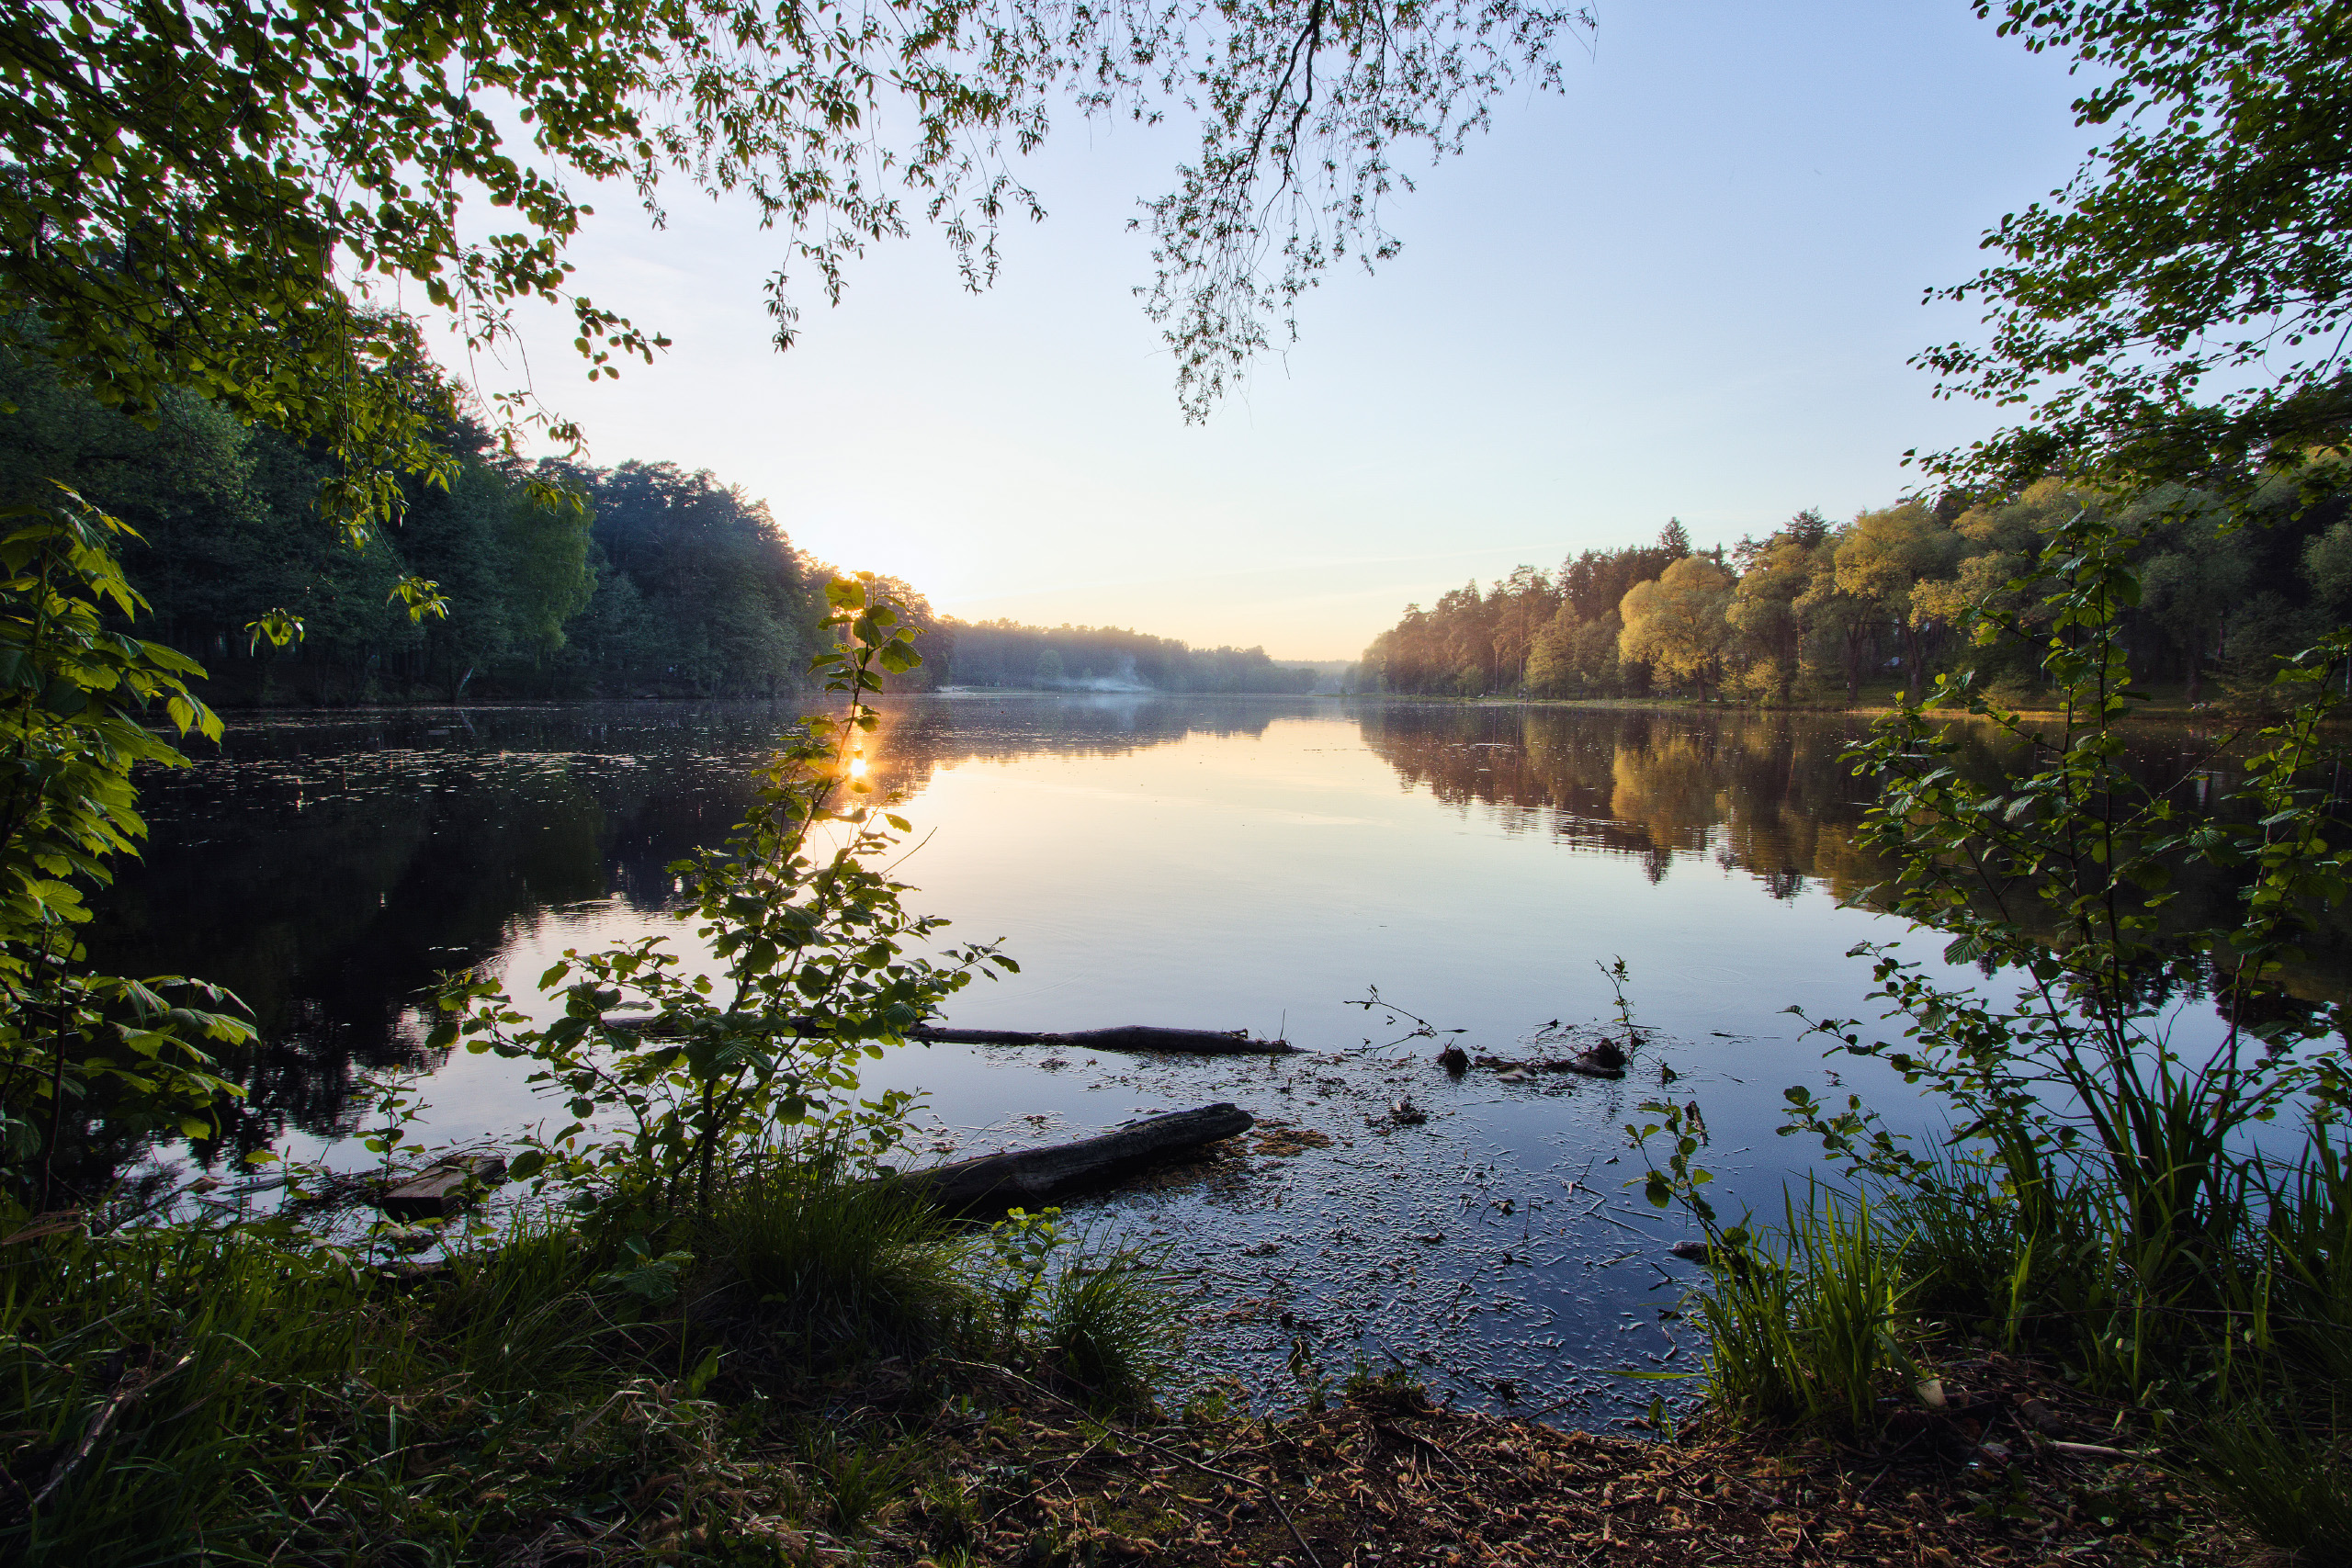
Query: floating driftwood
{"type": "Point", "coordinates": [1125, 1037]}
{"type": "Point", "coordinates": [1605, 1060]}
{"type": "Point", "coordinates": [441, 1190]}
{"type": "Point", "coordinates": [1021, 1177]}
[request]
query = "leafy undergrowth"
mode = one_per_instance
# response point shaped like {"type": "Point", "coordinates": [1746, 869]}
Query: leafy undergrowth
{"type": "Point", "coordinates": [514, 1412]}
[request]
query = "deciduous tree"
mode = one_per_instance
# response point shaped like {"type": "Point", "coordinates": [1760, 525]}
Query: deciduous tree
{"type": "Point", "coordinates": [2177, 312]}
{"type": "Point", "coordinates": [241, 198]}
{"type": "Point", "coordinates": [1880, 561]}
{"type": "Point", "coordinates": [1679, 624]}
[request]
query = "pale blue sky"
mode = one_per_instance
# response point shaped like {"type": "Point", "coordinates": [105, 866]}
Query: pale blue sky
{"type": "Point", "coordinates": [1687, 288]}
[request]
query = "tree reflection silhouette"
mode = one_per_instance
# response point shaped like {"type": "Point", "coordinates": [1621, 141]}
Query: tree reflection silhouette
{"type": "Point", "coordinates": [1769, 794]}
{"type": "Point", "coordinates": [328, 870]}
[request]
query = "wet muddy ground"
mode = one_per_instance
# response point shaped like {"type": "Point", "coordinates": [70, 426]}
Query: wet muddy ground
{"type": "Point", "coordinates": [1476, 1231]}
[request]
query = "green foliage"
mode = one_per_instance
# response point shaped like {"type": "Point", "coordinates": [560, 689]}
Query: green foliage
{"type": "Point", "coordinates": [2285, 1479]}
{"type": "Point", "coordinates": [1680, 625]}
{"type": "Point", "coordinates": [222, 196]}
{"type": "Point", "coordinates": [2171, 1219]}
{"type": "Point", "coordinates": [813, 976]}
{"type": "Point", "coordinates": [209, 1324]}
{"type": "Point", "coordinates": [76, 699]}
{"type": "Point", "coordinates": [1107, 1323]}
{"type": "Point", "coordinates": [2204, 242]}
{"type": "Point", "coordinates": [697, 591]}
{"type": "Point", "coordinates": [244, 1391]}
{"type": "Point", "coordinates": [1101, 1318]}
{"type": "Point", "coordinates": [1811, 1324]}
{"type": "Point", "coordinates": [2167, 1213]}
{"type": "Point", "coordinates": [2081, 1060]}
{"type": "Point", "coordinates": [858, 1481]}
{"type": "Point", "coordinates": [841, 1263]}
{"type": "Point", "coordinates": [1812, 606]}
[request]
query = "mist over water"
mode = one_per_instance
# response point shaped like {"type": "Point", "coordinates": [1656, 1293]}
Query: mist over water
{"type": "Point", "coordinates": [1212, 862]}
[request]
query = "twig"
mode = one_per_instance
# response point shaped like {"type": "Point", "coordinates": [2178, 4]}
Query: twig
{"type": "Point", "coordinates": [1430, 1443]}
{"type": "Point", "coordinates": [1181, 1458]}
{"type": "Point", "coordinates": [126, 1396]}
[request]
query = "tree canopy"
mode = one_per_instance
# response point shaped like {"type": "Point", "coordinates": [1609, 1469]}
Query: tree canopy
{"type": "Point", "coordinates": [247, 199]}
{"type": "Point", "coordinates": [1813, 612]}
{"type": "Point", "coordinates": [2176, 313]}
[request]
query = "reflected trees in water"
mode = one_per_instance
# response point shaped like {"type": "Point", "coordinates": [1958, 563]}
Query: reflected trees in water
{"type": "Point", "coordinates": [342, 864]}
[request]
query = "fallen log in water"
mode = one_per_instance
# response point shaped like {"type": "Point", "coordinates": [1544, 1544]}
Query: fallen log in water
{"type": "Point", "coordinates": [1125, 1037]}
{"type": "Point", "coordinates": [1021, 1177]}
{"type": "Point", "coordinates": [443, 1190]}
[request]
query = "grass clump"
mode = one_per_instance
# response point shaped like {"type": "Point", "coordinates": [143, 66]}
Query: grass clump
{"type": "Point", "coordinates": [273, 1398]}
{"type": "Point", "coordinates": [1098, 1318]}
{"type": "Point", "coordinates": [840, 1262]}
{"type": "Point", "coordinates": [1108, 1325]}
{"type": "Point", "coordinates": [2284, 1478]}
{"type": "Point", "coordinates": [259, 1392]}
{"type": "Point", "coordinates": [1812, 1323]}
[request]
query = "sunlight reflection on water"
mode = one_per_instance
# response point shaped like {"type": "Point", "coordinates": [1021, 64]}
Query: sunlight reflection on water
{"type": "Point", "coordinates": [1212, 863]}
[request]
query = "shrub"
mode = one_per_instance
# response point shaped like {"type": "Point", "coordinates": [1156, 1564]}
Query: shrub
{"type": "Point", "coordinates": [2170, 1217]}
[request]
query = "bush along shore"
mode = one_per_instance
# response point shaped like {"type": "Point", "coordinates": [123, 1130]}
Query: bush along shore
{"type": "Point", "coordinates": [709, 1324]}
{"type": "Point", "coordinates": [2160, 1218]}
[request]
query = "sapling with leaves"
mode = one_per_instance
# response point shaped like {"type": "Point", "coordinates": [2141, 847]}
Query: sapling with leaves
{"type": "Point", "coordinates": [2164, 1203]}
{"type": "Point", "coordinates": [814, 976]}
{"type": "Point", "coordinates": [2061, 876]}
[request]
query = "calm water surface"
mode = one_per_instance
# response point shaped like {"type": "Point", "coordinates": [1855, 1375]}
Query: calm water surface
{"type": "Point", "coordinates": [1220, 863]}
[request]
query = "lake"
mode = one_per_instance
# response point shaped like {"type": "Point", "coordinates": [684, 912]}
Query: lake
{"type": "Point", "coordinates": [1214, 862]}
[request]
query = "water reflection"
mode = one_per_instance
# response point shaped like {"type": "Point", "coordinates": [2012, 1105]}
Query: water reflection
{"type": "Point", "coordinates": [1764, 794]}
{"type": "Point", "coordinates": [1769, 794]}
{"type": "Point", "coordinates": [328, 868]}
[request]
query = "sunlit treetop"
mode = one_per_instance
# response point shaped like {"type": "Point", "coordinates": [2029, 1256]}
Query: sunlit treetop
{"type": "Point", "coordinates": [2178, 312]}
{"type": "Point", "coordinates": [257, 199]}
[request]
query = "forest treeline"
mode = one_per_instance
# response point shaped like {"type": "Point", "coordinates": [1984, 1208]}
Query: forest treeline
{"type": "Point", "coordinates": [1816, 610]}
{"type": "Point", "coordinates": [1002, 653]}
{"type": "Point", "coordinates": [662, 583]}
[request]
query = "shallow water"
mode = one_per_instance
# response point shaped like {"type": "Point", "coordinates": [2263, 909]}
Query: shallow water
{"type": "Point", "coordinates": [1217, 862]}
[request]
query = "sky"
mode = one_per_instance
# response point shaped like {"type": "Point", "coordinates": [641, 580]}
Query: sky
{"type": "Point", "coordinates": [1687, 287]}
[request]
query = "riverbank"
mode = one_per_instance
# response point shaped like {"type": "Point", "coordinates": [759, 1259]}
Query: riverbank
{"type": "Point", "coordinates": [502, 1440]}
{"type": "Point", "coordinates": [966, 1464]}
{"type": "Point", "coordinates": [2162, 704]}
{"type": "Point", "coordinates": [750, 1391]}
{"type": "Point", "coordinates": [1385, 1477]}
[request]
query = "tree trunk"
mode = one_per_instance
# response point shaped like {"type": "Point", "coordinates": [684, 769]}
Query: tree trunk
{"type": "Point", "coordinates": [1125, 1037]}
{"type": "Point", "coordinates": [1025, 1177]}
